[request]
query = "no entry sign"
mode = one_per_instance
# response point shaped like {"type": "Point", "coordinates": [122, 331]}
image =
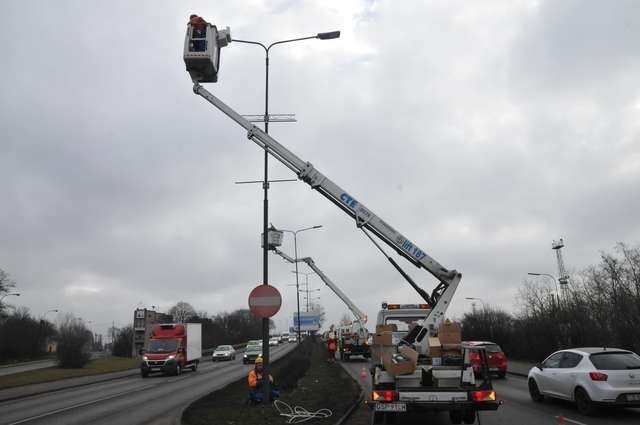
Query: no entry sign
{"type": "Point", "coordinates": [264, 301]}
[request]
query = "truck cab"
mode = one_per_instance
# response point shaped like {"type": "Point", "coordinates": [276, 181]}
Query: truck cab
{"type": "Point", "coordinates": [172, 348]}
{"type": "Point", "coordinates": [414, 372]}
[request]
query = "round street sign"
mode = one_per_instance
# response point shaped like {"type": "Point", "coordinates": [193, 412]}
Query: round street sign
{"type": "Point", "coordinates": [264, 301]}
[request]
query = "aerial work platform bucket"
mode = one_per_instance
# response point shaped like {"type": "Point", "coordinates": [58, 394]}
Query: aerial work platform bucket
{"type": "Point", "coordinates": [202, 45]}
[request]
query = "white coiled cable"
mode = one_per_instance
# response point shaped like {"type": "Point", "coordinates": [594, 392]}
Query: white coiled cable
{"type": "Point", "coordinates": [299, 414]}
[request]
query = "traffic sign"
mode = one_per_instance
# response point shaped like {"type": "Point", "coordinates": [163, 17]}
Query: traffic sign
{"type": "Point", "coordinates": [264, 301]}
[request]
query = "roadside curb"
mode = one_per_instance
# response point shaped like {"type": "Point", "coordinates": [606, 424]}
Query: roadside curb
{"type": "Point", "coordinates": [4, 366]}
{"type": "Point", "coordinates": [352, 409]}
{"type": "Point", "coordinates": [66, 387]}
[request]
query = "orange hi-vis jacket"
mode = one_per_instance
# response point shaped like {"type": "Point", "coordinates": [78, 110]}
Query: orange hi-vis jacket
{"type": "Point", "coordinates": [332, 345]}
{"type": "Point", "coordinates": [254, 377]}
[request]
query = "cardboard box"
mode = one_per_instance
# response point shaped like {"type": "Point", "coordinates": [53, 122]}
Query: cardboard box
{"type": "Point", "coordinates": [435, 348]}
{"type": "Point", "coordinates": [450, 333]}
{"type": "Point", "coordinates": [400, 364]}
{"type": "Point", "coordinates": [386, 328]}
{"type": "Point", "coordinates": [378, 351]}
{"type": "Point", "coordinates": [383, 338]}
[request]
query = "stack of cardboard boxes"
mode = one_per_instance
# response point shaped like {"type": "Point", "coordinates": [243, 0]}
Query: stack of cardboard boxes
{"type": "Point", "coordinates": [382, 342]}
{"type": "Point", "coordinates": [450, 336]}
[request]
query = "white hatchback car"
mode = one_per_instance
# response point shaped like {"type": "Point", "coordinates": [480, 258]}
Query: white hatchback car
{"type": "Point", "coordinates": [590, 377]}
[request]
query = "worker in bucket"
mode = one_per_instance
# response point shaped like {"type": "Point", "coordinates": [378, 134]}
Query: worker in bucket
{"type": "Point", "coordinates": [256, 382]}
{"type": "Point", "coordinates": [198, 34]}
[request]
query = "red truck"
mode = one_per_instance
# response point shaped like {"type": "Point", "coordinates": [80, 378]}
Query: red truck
{"type": "Point", "coordinates": [172, 348]}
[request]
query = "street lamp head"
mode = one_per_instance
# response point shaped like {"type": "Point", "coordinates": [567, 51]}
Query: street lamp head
{"type": "Point", "coordinates": [328, 35]}
{"type": "Point", "coordinates": [533, 274]}
{"type": "Point", "coordinates": [317, 227]}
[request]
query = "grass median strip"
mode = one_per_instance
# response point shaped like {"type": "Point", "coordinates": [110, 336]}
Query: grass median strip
{"type": "Point", "coordinates": [94, 367]}
{"type": "Point", "coordinates": [304, 379]}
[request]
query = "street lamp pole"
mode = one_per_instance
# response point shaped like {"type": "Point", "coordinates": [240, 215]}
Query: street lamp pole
{"type": "Point", "coordinates": [306, 284]}
{"type": "Point", "coordinates": [295, 250]}
{"type": "Point", "coordinates": [484, 311]}
{"type": "Point", "coordinates": [265, 185]}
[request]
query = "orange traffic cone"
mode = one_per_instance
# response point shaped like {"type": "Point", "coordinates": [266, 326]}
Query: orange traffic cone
{"type": "Point", "coordinates": [363, 373]}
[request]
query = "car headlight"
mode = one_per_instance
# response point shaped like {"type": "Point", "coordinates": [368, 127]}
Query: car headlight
{"type": "Point", "coordinates": [171, 357]}
{"type": "Point", "coordinates": [245, 355]}
{"type": "Point", "coordinates": [145, 358]}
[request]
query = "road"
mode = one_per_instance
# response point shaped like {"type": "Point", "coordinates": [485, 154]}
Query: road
{"type": "Point", "coordinates": [517, 408]}
{"type": "Point", "coordinates": [156, 400]}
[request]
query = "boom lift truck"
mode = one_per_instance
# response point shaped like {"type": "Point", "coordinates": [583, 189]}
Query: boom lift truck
{"type": "Point", "coordinates": [430, 387]}
{"type": "Point", "coordinates": [352, 341]}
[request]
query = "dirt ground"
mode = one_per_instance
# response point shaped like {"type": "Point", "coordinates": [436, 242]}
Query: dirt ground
{"type": "Point", "coordinates": [304, 379]}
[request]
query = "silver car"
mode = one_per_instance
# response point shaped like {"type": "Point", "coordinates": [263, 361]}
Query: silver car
{"type": "Point", "coordinates": [223, 352]}
{"type": "Point", "coordinates": [590, 377]}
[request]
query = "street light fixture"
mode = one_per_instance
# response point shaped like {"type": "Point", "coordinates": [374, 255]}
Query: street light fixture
{"type": "Point", "coordinates": [295, 248]}
{"type": "Point", "coordinates": [549, 276]}
{"type": "Point", "coordinates": [15, 294]}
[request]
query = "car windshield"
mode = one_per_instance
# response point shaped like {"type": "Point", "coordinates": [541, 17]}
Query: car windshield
{"type": "Point", "coordinates": [224, 348]}
{"type": "Point", "coordinates": [619, 360]}
{"type": "Point", "coordinates": [254, 348]}
{"type": "Point", "coordinates": [163, 345]}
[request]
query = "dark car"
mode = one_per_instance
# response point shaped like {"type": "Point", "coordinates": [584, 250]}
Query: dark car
{"type": "Point", "coordinates": [495, 356]}
{"type": "Point", "coordinates": [252, 352]}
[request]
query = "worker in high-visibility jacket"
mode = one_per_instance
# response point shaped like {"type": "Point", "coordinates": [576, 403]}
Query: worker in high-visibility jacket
{"type": "Point", "coordinates": [255, 380]}
{"type": "Point", "coordinates": [332, 346]}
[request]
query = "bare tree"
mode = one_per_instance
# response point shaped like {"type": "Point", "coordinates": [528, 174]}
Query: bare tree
{"type": "Point", "coordinates": [6, 283]}
{"type": "Point", "coordinates": [74, 343]}
{"type": "Point", "coordinates": [182, 312]}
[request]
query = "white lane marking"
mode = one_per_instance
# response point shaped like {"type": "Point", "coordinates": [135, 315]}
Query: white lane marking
{"type": "Point", "coordinates": [563, 419]}
{"type": "Point", "coordinates": [75, 406]}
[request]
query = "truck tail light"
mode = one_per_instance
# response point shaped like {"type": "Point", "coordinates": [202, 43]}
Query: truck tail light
{"type": "Point", "coordinates": [384, 395]}
{"type": "Point", "coordinates": [481, 396]}
{"type": "Point", "coordinates": [424, 306]}
{"type": "Point", "coordinates": [598, 376]}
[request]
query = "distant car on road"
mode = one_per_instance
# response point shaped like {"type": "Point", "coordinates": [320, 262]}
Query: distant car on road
{"type": "Point", "coordinates": [293, 338]}
{"type": "Point", "coordinates": [591, 377]}
{"type": "Point", "coordinates": [252, 351]}
{"type": "Point", "coordinates": [223, 352]}
{"type": "Point", "coordinates": [274, 340]}
{"type": "Point", "coordinates": [284, 337]}
{"type": "Point", "coordinates": [495, 356]}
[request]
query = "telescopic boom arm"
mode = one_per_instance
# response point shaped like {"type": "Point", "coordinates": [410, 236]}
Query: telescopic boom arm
{"type": "Point", "coordinates": [360, 316]}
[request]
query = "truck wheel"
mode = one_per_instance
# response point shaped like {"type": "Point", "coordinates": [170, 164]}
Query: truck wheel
{"type": "Point", "coordinates": [455, 416]}
{"type": "Point", "coordinates": [194, 367]}
{"type": "Point", "coordinates": [469, 417]}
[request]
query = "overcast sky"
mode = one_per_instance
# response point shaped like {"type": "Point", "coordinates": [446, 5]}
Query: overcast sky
{"type": "Point", "coordinates": [482, 131]}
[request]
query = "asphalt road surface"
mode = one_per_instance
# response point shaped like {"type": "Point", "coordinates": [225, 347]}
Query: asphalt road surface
{"type": "Point", "coordinates": [517, 408]}
{"type": "Point", "coordinates": [155, 400]}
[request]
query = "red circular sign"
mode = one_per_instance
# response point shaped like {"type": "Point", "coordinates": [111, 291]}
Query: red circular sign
{"type": "Point", "coordinates": [264, 301]}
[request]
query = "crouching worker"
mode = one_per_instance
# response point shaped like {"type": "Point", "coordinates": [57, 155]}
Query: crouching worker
{"type": "Point", "coordinates": [256, 382]}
